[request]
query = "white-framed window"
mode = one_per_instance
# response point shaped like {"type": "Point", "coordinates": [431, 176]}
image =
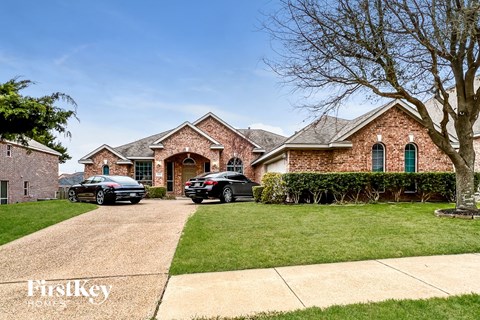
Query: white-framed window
{"type": "Point", "coordinates": [378, 157]}
{"type": "Point", "coordinates": [411, 158]}
{"type": "Point", "coordinates": [143, 172]}
{"type": "Point", "coordinates": [26, 188]}
{"type": "Point", "coordinates": [235, 164]}
{"type": "Point", "coordinates": [9, 150]}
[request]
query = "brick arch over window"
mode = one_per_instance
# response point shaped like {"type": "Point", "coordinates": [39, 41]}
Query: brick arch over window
{"type": "Point", "coordinates": [235, 164]}
{"type": "Point", "coordinates": [378, 157]}
{"type": "Point", "coordinates": [411, 152]}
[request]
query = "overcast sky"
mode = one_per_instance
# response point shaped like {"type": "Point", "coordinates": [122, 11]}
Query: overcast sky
{"type": "Point", "coordinates": [136, 68]}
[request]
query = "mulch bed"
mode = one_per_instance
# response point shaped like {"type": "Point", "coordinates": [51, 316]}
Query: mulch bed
{"type": "Point", "coordinates": [454, 213]}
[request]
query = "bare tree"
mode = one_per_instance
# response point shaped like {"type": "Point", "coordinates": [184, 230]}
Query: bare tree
{"type": "Point", "coordinates": [400, 49]}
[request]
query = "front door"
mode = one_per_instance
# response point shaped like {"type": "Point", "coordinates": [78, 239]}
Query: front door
{"type": "Point", "coordinates": [188, 172]}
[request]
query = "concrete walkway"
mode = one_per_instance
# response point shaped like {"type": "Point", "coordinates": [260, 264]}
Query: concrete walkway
{"type": "Point", "coordinates": [127, 248]}
{"type": "Point", "coordinates": [229, 294]}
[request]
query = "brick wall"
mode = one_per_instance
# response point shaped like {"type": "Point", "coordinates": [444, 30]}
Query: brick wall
{"type": "Point", "coordinates": [38, 168]}
{"type": "Point", "coordinates": [234, 145]}
{"type": "Point", "coordinates": [394, 126]}
{"type": "Point", "coordinates": [115, 169]}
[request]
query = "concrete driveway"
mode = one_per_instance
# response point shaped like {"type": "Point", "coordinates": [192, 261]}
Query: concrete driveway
{"type": "Point", "coordinates": [110, 263]}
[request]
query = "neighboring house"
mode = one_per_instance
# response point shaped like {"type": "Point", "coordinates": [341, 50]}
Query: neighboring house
{"type": "Point", "coordinates": [27, 173]}
{"type": "Point", "coordinates": [389, 138]}
{"type": "Point", "coordinates": [66, 180]}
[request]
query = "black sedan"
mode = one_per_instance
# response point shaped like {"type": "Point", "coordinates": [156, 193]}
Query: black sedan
{"type": "Point", "coordinates": [107, 189]}
{"type": "Point", "coordinates": [226, 186]}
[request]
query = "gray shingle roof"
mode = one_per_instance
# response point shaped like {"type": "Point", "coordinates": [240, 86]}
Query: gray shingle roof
{"type": "Point", "coordinates": [140, 148]}
{"type": "Point", "coordinates": [267, 140]}
{"type": "Point", "coordinates": [320, 131]}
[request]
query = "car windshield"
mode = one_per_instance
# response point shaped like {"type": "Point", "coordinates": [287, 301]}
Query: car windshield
{"type": "Point", "coordinates": [124, 180]}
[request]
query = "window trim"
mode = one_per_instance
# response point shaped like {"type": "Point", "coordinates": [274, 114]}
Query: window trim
{"type": "Point", "coordinates": [151, 171]}
{"type": "Point", "coordinates": [383, 156]}
{"type": "Point", "coordinates": [415, 149]}
{"type": "Point", "coordinates": [106, 166]}
{"type": "Point", "coordinates": [233, 162]}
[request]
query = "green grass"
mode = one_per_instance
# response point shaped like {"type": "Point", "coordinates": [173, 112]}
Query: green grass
{"type": "Point", "coordinates": [18, 220]}
{"type": "Point", "coordinates": [249, 235]}
{"type": "Point", "coordinates": [456, 307]}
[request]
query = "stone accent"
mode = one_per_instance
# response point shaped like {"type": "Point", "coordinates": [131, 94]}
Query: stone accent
{"type": "Point", "coordinates": [394, 126]}
{"type": "Point", "coordinates": [40, 169]}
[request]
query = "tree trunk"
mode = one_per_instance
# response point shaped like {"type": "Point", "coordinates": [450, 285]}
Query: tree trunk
{"type": "Point", "coordinates": [465, 189]}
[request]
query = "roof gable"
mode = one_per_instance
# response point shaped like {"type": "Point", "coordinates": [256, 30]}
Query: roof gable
{"type": "Point", "coordinates": [86, 159]}
{"type": "Point", "coordinates": [212, 115]}
{"type": "Point", "coordinates": [158, 143]}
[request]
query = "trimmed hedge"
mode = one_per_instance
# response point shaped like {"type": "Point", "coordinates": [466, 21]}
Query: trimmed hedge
{"type": "Point", "coordinates": [156, 192]}
{"type": "Point", "coordinates": [312, 187]}
{"type": "Point", "coordinates": [257, 193]}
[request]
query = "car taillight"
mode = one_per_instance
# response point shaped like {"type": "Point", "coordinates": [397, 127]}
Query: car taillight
{"type": "Point", "coordinates": [113, 185]}
{"type": "Point", "coordinates": [211, 183]}
{"type": "Point", "coordinates": [188, 183]}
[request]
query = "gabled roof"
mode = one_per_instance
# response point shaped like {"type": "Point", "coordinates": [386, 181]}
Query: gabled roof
{"type": "Point", "coordinates": [212, 115]}
{"type": "Point", "coordinates": [140, 148]}
{"type": "Point", "coordinates": [86, 159]}
{"type": "Point", "coordinates": [268, 140]}
{"type": "Point", "coordinates": [215, 143]}
{"type": "Point", "coordinates": [330, 132]}
{"type": "Point", "coordinates": [34, 145]}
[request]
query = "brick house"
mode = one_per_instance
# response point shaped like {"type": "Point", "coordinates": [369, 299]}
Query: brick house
{"type": "Point", "coordinates": [27, 173]}
{"type": "Point", "coordinates": [388, 138]}
{"type": "Point", "coordinates": [172, 157]}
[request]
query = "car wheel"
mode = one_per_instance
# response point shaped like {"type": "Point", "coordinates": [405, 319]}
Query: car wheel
{"type": "Point", "coordinates": [100, 197]}
{"type": "Point", "coordinates": [197, 200]}
{"type": "Point", "coordinates": [72, 196]}
{"type": "Point", "coordinates": [135, 201]}
{"type": "Point", "coordinates": [227, 195]}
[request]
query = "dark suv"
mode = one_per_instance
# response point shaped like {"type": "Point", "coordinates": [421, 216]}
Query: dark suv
{"type": "Point", "coordinates": [226, 186]}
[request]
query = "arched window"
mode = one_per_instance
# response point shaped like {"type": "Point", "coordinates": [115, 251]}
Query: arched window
{"type": "Point", "coordinates": [410, 158]}
{"type": "Point", "coordinates": [378, 157]}
{"type": "Point", "coordinates": [235, 164]}
{"type": "Point", "coordinates": [188, 162]}
{"type": "Point", "coordinates": [106, 170]}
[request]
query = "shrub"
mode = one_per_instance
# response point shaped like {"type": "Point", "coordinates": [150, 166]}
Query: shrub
{"type": "Point", "coordinates": [274, 188]}
{"type": "Point", "coordinates": [156, 192]}
{"type": "Point", "coordinates": [257, 193]}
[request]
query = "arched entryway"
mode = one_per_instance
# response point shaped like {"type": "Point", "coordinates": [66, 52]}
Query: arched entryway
{"type": "Point", "coordinates": [181, 167]}
{"type": "Point", "coordinates": [189, 169]}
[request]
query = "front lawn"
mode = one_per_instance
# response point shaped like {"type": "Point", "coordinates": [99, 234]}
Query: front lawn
{"type": "Point", "coordinates": [456, 307]}
{"type": "Point", "coordinates": [20, 219]}
{"type": "Point", "coordinates": [249, 235]}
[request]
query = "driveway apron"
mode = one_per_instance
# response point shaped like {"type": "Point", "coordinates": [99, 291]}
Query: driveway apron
{"type": "Point", "coordinates": [110, 263]}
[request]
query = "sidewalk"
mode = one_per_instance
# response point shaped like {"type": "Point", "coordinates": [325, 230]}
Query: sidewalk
{"type": "Point", "coordinates": [235, 293]}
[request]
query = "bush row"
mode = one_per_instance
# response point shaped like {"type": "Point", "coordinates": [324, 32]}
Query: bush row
{"type": "Point", "coordinates": [156, 192]}
{"type": "Point", "coordinates": [356, 187]}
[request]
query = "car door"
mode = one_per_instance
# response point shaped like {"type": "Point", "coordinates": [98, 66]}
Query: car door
{"type": "Point", "coordinates": [241, 184]}
{"type": "Point", "coordinates": [82, 187]}
{"type": "Point", "coordinates": [91, 188]}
